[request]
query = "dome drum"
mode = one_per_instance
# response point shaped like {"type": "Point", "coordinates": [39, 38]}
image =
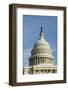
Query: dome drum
{"type": "Point", "coordinates": [40, 60]}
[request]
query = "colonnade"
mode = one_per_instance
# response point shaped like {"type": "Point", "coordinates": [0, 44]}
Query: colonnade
{"type": "Point", "coordinates": [39, 60]}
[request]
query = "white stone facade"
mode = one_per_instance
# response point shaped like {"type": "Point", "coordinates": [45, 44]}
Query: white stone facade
{"type": "Point", "coordinates": [41, 60]}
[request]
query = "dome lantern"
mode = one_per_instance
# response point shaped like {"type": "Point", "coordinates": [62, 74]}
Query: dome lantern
{"type": "Point", "coordinates": [41, 33]}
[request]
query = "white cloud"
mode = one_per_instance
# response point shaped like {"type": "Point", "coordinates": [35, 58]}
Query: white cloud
{"type": "Point", "coordinates": [27, 54]}
{"type": "Point", "coordinates": [53, 49]}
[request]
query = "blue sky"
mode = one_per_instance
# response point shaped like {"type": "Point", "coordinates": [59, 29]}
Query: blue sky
{"type": "Point", "coordinates": [32, 28]}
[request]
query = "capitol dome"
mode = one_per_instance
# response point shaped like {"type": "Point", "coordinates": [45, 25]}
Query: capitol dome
{"type": "Point", "coordinates": [42, 48]}
{"type": "Point", "coordinates": [41, 51]}
{"type": "Point", "coordinates": [41, 59]}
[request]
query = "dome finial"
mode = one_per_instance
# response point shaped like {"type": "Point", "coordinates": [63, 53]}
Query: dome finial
{"type": "Point", "coordinates": [41, 29]}
{"type": "Point", "coordinates": [41, 33]}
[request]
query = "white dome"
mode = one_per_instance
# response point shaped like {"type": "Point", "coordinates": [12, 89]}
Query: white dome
{"type": "Point", "coordinates": [42, 48]}
{"type": "Point", "coordinates": [41, 43]}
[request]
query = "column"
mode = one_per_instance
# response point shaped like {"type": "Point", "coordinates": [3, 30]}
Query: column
{"type": "Point", "coordinates": [35, 60]}
{"type": "Point", "coordinates": [41, 59]}
{"type": "Point", "coordinates": [38, 60]}
{"type": "Point", "coordinates": [32, 61]}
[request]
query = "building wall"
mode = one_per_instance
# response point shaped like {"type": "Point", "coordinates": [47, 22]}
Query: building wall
{"type": "Point", "coordinates": [40, 69]}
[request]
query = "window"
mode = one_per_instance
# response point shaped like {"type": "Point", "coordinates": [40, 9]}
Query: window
{"type": "Point", "coordinates": [42, 71]}
{"type": "Point", "coordinates": [54, 71]}
{"type": "Point", "coordinates": [45, 71]}
{"type": "Point", "coordinates": [49, 70]}
{"type": "Point", "coordinates": [36, 71]}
